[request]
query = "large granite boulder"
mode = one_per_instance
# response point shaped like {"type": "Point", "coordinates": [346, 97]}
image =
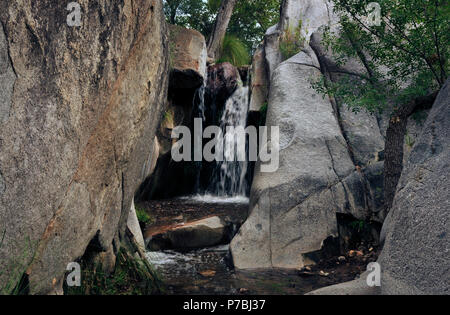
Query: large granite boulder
{"type": "Point", "coordinates": [293, 210]}
{"type": "Point", "coordinates": [329, 159]}
{"type": "Point", "coordinates": [77, 129]}
{"type": "Point", "coordinates": [188, 57]}
{"type": "Point", "coordinates": [416, 253]}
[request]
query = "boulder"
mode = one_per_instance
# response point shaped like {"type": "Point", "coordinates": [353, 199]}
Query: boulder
{"type": "Point", "coordinates": [134, 227]}
{"type": "Point", "coordinates": [76, 130]}
{"type": "Point", "coordinates": [198, 234]}
{"type": "Point", "coordinates": [222, 81]}
{"type": "Point", "coordinates": [355, 287]}
{"type": "Point", "coordinates": [416, 253]}
{"type": "Point", "coordinates": [360, 128]}
{"type": "Point", "coordinates": [293, 210]}
{"type": "Point", "coordinates": [310, 14]}
{"type": "Point", "coordinates": [188, 56]}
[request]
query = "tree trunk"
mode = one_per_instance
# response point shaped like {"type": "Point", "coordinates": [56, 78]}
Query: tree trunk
{"type": "Point", "coordinates": [220, 27]}
{"type": "Point", "coordinates": [395, 137]}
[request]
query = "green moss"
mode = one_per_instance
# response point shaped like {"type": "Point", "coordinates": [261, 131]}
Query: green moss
{"type": "Point", "coordinates": [142, 215]}
{"type": "Point", "coordinates": [14, 282]}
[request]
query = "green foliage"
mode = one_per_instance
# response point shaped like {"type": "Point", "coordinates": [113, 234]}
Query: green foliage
{"type": "Point", "coordinates": [250, 20]}
{"type": "Point", "coordinates": [292, 42]}
{"type": "Point", "coordinates": [420, 116]}
{"type": "Point", "coordinates": [13, 283]}
{"type": "Point", "coordinates": [263, 114]}
{"type": "Point", "coordinates": [168, 117]}
{"type": "Point", "coordinates": [234, 51]}
{"type": "Point", "coordinates": [409, 140]}
{"type": "Point", "coordinates": [132, 276]}
{"type": "Point", "coordinates": [142, 216]}
{"type": "Point", "coordinates": [404, 57]}
{"type": "Point", "coordinates": [358, 225]}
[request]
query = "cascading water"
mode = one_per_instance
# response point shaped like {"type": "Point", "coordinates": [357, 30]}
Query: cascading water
{"type": "Point", "coordinates": [226, 178]}
{"type": "Point", "coordinates": [199, 107]}
{"type": "Point", "coordinates": [229, 178]}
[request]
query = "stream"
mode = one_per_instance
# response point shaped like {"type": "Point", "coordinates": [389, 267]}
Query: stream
{"type": "Point", "coordinates": [209, 271]}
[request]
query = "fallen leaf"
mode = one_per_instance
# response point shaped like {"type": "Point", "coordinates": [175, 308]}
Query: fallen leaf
{"type": "Point", "coordinates": [208, 273]}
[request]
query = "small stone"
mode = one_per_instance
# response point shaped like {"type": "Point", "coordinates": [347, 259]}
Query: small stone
{"type": "Point", "coordinates": [323, 273]}
{"type": "Point", "coordinates": [342, 258]}
{"type": "Point", "coordinates": [243, 291]}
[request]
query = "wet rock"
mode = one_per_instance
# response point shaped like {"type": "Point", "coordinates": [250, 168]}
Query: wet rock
{"type": "Point", "coordinates": [197, 234]}
{"type": "Point", "coordinates": [222, 81]}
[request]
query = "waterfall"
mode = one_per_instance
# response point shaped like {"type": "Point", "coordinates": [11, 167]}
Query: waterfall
{"type": "Point", "coordinates": [229, 177]}
{"type": "Point", "coordinates": [199, 112]}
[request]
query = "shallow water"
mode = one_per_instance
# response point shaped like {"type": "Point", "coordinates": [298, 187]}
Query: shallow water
{"type": "Point", "coordinates": [207, 272]}
{"type": "Point", "coordinates": [212, 199]}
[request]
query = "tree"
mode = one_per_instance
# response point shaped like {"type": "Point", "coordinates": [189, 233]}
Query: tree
{"type": "Point", "coordinates": [220, 27]}
{"type": "Point", "coordinates": [405, 58]}
{"type": "Point", "coordinates": [252, 18]}
{"type": "Point", "coordinates": [247, 26]}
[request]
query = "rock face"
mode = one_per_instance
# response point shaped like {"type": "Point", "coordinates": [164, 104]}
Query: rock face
{"type": "Point", "coordinates": [310, 14]}
{"type": "Point", "coordinates": [329, 159]}
{"type": "Point", "coordinates": [292, 211]}
{"type": "Point", "coordinates": [187, 77]}
{"type": "Point", "coordinates": [416, 253]}
{"type": "Point", "coordinates": [415, 256]}
{"type": "Point", "coordinates": [198, 234]}
{"type": "Point", "coordinates": [259, 81]}
{"type": "Point", "coordinates": [77, 129]}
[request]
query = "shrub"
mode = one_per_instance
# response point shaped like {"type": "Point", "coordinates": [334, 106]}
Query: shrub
{"type": "Point", "coordinates": [234, 51]}
{"type": "Point", "coordinates": [292, 41]}
{"type": "Point", "coordinates": [263, 114]}
{"type": "Point", "coordinates": [142, 216]}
